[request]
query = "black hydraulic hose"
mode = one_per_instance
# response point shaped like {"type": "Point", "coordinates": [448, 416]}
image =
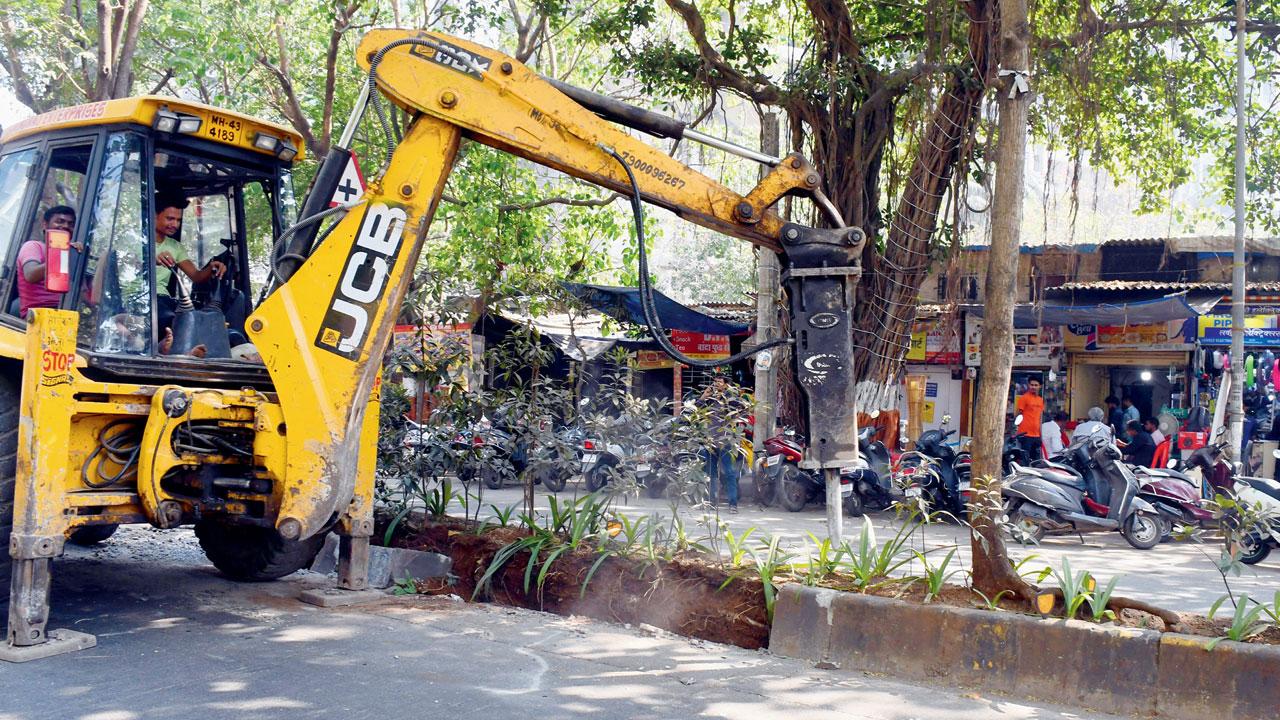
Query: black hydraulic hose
{"type": "Point", "coordinates": [651, 318]}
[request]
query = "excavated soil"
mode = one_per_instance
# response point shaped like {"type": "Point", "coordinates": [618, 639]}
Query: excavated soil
{"type": "Point", "coordinates": [686, 596]}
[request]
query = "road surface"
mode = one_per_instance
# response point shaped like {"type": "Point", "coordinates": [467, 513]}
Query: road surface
{"type": "Point", "coordinates": [175, 640]}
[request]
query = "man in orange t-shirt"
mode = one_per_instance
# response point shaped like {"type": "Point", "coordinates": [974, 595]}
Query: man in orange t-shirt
{"type": "Point", "coordinates": [1031, 406]}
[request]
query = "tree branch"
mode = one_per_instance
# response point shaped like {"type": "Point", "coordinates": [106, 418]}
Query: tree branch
{"type": "Point", "coordinates": [292, 108]}
{"type": "Point", "coordinates": [719, 73]}
{"type": "Point", "coordinates": [12, 64]}
{"type": "Point", "coordinates": [123, 70]}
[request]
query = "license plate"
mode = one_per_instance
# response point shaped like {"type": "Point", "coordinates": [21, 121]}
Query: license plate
{"type": "Point", "coordinates": [589, 458]}
{"type": "Point", "coordinates": [642, 467]}
{"type": "Point", "coordinates": [964, 486]}
{"type": "Point", "coordinates": [846, 490]}
{"type": "Point", "coordinates": [773, 460]}
{"type": "Point", "coordinates": [223, 129]}
{"type": "Point", "coordinates": [913, 492]}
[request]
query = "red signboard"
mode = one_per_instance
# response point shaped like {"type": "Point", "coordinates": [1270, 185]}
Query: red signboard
{"type": "Point", "coordinates": [701, 346]}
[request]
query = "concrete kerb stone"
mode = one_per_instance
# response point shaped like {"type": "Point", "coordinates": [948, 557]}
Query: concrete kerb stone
{"type": "Point", "coordinates": [1232, 681]}
{"type": "Point", "coordinates": [1120, 670]}
{"type": "Point", "coordinates": [802, 620]}
{"type": "Point", "coordinates": [386, 565]}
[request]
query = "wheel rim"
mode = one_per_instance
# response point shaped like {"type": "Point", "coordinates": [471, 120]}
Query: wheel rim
{"type": "Point", "coordinates": [1144, 529]}
{"type": "Point", "coordinates": [1023, 529]}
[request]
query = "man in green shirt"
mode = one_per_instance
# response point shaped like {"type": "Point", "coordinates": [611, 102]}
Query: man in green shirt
{"type": "Point", "coordinates": [170, 253]}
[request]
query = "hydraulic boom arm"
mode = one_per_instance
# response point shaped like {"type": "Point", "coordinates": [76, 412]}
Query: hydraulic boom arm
{"type": "Point", "coordinates": [322, 331]}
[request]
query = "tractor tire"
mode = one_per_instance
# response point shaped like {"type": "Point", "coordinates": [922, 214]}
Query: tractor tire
{"type": "Point", "coordinates": [253, 554]}
{"type": "Point", "coordinates": [10, 394]}
{"type": "Point", "coordinates": [91, 534]}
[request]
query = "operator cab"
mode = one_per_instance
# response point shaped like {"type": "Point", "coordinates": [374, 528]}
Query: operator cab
{"type": "Point", "coordinates": [110, 162]}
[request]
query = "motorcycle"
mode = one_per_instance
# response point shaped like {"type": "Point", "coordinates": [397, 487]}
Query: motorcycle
{"type": "Point", "coordinates": [871, 477]}
{"type": "Point", "coordinates": [1041, 500]}
{"type": "Point", "coordinates": [930, 471]}
{"type": "Point", "coordinates": [1263, 494]}
{"type": "Point", "coordinates": [796, 486]}
{"type": "Point", "coordinates": [1177, 495]}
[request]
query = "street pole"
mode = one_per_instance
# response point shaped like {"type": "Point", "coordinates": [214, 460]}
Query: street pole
{"type": "Point", "coordinates": [766, 373]}
{"type": "Point", "coordinates": [1236, 402]}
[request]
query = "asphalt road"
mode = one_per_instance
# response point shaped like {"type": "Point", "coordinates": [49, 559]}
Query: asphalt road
{"type": "Point", "coordinates": [175, 640]}
{"type": "Point", "coordinates": [1181, 576]}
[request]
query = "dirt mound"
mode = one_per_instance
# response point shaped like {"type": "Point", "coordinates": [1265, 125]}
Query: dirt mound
{"type": "Point", "coordinates": [684, 596]}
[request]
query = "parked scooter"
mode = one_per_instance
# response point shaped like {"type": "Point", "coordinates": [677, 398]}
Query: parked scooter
{"type": "Point", "coordinates": [1043, 500]}
{"type": "Point", "coordinates": [794, 486]}
{"type": "Point", "coordinates": [929, 471]}
{"type": "Point", "coordinates": [1177, 495]}
{"type": "Point", "coordinates": [871, 477]}
{"type": "Point", "coordinates": [1264, 493]}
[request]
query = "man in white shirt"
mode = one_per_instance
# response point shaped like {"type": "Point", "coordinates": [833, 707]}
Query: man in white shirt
{"type": "Point", "coordinates": [1153, 427]}
{"type": "Point", "coordinates": [1051, 434]}
{"type": "Point", "coordinates": [1093, 426]}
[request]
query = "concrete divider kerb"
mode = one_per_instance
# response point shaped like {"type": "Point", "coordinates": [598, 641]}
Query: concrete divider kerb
{"type": "Point", "coordinates": [1119, 670]}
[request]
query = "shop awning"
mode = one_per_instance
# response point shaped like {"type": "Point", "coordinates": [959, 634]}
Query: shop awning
{"type": "Point", "coordinates": [623, 303]}
{"type": "Point", "coordinates": [1175, 306]}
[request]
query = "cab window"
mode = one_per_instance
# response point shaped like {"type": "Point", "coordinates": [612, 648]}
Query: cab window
{"type": "Point", "coordinates": [59, 197]}
{"type": "Point", "coordinates": [16, 170]}
{"type": "Point", "coordinates": [116, 297]}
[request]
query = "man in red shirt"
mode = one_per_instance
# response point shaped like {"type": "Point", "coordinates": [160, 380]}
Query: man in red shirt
{"type": "Point", "coordinates": [32, 263]}
{"type": "Point", "coordinates": [1031, 406]}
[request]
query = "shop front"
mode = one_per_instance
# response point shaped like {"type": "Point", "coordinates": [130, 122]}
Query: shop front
{"type": "Point", "coordinates": [1145, 362]}
{"type": "Point", "coordinates": [935, 358]}
{"type": "Point", "coordinates": [1037, 354]}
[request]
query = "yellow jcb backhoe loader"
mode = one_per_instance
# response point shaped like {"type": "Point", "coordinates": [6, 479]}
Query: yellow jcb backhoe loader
{"type": "Point", "coordinates": [108, 417]}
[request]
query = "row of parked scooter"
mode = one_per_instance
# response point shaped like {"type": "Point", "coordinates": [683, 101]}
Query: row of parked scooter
{"type": "Point", "coordinates": [1088, 488]}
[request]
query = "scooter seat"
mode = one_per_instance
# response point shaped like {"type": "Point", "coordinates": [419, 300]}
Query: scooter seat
{"type": "Point", "coordinates": [1165, 473]}
{"type": "Point", "coordinates": [1057, 477]}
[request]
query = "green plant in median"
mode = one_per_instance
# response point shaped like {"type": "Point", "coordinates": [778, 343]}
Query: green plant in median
{"type": "Point", "coordinates": [405, 586]}
{"type": "Point", "coordinates": [737, 545]}
{"type": "Point", "coordinates": [824, 560]}
{"type": "Point", "coordinates": [1101, 598]}
{"type": "Point", "coordinates": [769, 563]}
{"type": "Point", "coordinates": [1077, 589]}
{"type": "Point", "coordinates": [991, 603]}
{"type": "Point", "coordinates": [1245, 621]}
{"type": "Point", "coordinates": [871, 564]}
{"type": "Point", "coordinates": [936, 577]}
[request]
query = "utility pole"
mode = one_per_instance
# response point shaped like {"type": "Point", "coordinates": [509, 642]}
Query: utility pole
{"type": "Point", "coordinates": [1236, 403]}
{"type": "Point", "coordinates": [766, 371]}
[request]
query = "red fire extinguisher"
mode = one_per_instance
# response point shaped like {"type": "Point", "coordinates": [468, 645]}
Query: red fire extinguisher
{"type": "Point", "coordinates": [57, 275]}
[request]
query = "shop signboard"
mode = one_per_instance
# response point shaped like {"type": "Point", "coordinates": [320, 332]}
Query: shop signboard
{"type": "Point", "coordinates": [1259, 330]}
{"type": "Point", "coordinates": [933, 342]}
{"type": "Point", "coordinates": [653, 360]}
{"type": "Point", "coordinates": [1032, 347]}
{"type": "Point", "coordinates": [1162, 336]}
{"type": "Point", "coordinates": [701, 346]}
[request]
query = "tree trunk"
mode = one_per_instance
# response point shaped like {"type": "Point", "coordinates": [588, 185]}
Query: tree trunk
{"type": "Point", "coordinates": [992, 570]}
{"type": "Point", "coordinates": [891, 281]}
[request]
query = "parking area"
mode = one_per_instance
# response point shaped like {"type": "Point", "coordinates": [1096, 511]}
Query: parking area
{"type": "Point", "coordinates": [1181, 576]}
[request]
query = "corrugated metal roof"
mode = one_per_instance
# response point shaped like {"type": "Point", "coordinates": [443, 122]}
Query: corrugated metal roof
{"type": "Point", "coordinates": [1131, 285]}
{"type": "Point", "coordinates": [1201, 244]}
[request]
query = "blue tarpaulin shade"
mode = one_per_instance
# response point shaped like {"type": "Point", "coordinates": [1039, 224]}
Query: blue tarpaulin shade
{"type": "Point", "coordinates": [1177, 306]}
{"type": "Point", "coordinates": [623, 303]}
